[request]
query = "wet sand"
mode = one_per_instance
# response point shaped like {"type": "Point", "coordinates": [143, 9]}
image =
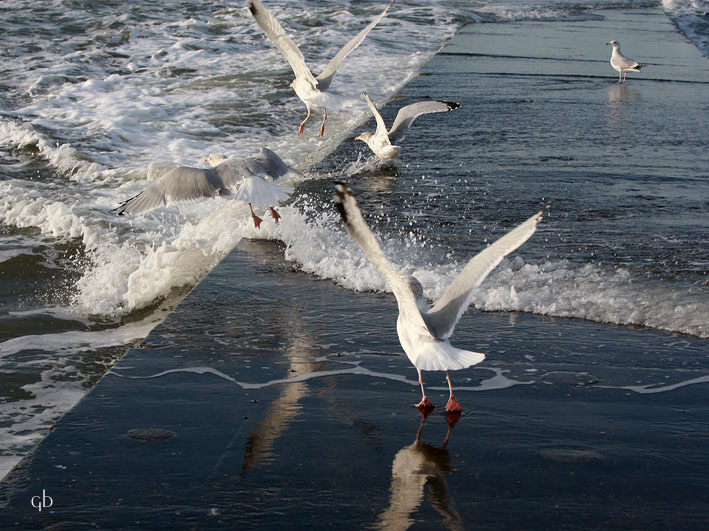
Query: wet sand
{"type": "Point", "coordinates": [272, 398]}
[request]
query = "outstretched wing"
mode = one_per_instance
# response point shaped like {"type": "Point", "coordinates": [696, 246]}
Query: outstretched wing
{"type": "Point", "coordinates": [275, 167]}
{"type": "Point", "coordinates": [325, 78]}
{"type": "Point", "coordinates": [406, 116]}
{"type": "Point", "coordinates": [444, 315]}
{"type": "Point", "coordinates": [277, 35]}
{"type": "Point", "coordinates": [381, 137]}
{"type": "Point", "coordinates": [181, 184]}
{"type": "Point", "coordinates": [359, 231]}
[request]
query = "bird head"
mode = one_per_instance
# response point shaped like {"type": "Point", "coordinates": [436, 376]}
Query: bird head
{"type": "Point", "coordinates": [215, 159]}
{"type": "Point", "coordinates": [612, 43]}
{"type": "Point", "coordinates": [364, 137]}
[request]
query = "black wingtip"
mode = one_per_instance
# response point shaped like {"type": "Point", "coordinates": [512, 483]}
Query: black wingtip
{"type": "Point", "coordinates": [452, 105]}
{"type": "Point", "coordinates": [341, 191]}
{"type": "Point", "coordinates": [252, 8]}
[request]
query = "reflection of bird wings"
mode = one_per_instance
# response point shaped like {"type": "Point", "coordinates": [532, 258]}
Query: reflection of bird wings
{"type": "Point", "coordinates": [444, 315]}
{"type": "Point", "coordinates": [180, 184]}
{"type": "Point", "coordinates": [277, 35]}
{"type": "Point", "coordinates": [259, 191]}
{"type": "Point", "coordinates": [325, 78]}
{"type": "Point", "coordinates": [283, 410]}
{"type": "Point", "coordinates": [381, 137]}
{"type": "Point", "coordinates": [407, 485]}
{"type": "Point", "coordinates": [406, 116]}
{"type": "Point", "coordinates": [359, 231]}
{"type": "Point", "coordinates": [414, 466]}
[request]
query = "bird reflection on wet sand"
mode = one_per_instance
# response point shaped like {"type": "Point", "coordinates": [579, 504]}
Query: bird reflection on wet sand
{"type": "Point", "coordinates": [283, 410]}
{"type": "Point", "coordinates": [415, 466]}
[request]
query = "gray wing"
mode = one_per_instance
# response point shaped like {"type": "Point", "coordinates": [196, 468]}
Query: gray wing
{"type": "Point", "coordinates": [406, 116]}
{"type": "Point", "coordinates": [357, 228]}
{"type": "Point", "coordinates": [381, 136]}
{"type": "Point", "coordinates": [275, 167]}
{"type": "Point", "coordinates": [233, 172]}
{"type": "Point", "coordinates": [325, 78]}
{"type": "Point", "coordinates": [277, 35]}
{"type": "Point", "coordinates": [622, 61]}
{"type": "Point", "coordinates": [181, 184]}
{"type": "Point", "coordinates": [444, 315]}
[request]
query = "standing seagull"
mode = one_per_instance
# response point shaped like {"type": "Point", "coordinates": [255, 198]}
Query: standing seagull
{"type": "Point", "coordinates": [423, 331]}
{"type": "Point", "coordinates": [311, 90]}
{"type": "Point", "coordinates": [381, 141]}
{"type": "Point", "coordinates": [621, 63]}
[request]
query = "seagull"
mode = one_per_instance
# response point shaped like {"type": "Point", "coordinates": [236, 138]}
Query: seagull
{"type": "Point", "coordinates": [621, 63]}
{"type": "Point", "coordinates": [424, 331]}
{"type": "Point", "coordinates": [242, 178]}
{"type": "Point", "coordinates": [381, 141]}
{"type": "Point", "coordinates": [311, 90]}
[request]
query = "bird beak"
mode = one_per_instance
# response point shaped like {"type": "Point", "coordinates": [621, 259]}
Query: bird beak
{"type": "Point", "coordinates": [358, 138]}
{"type": "Point", "coordinates": [608, 44]}
{"type": "Point", "coordinates": [206, 159]}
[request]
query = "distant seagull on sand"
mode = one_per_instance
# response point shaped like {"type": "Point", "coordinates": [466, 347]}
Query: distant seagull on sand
{"type": "Point", "coordinates": [423, 331]}
{"type": "Point", "coordinates": [381, 141]}
{"type": "Point", "coordinates": [311, 90]}
{"type": "Point", "coordinates": [241, 178]}
{"type": "Point", "coordinates": [621, 63]}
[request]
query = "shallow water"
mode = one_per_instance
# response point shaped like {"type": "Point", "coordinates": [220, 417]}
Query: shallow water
{"type": "Point", "coordinates": [90, 114]}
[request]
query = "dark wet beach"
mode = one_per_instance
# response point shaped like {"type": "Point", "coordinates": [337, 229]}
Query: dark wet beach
{"type": "Point", "coordinates": [273, 398]}
{"type": "Point", "coordinates": [567, 424]}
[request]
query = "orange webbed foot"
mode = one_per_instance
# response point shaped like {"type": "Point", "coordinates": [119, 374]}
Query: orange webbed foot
{"type": "Point", "coordinates": [453, 405]}
{"type": "Point", "coordinates": [425, 404]}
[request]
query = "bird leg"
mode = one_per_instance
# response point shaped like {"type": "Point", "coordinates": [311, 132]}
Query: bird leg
{"type": "Point", "coordinates": [322, 126]}
{"type": "Point", "coordinates": [257, 220]}
{"type": "Point", "coordinates": [275, 214]}
{"type": "Point", "coordinates": [425, 403]}
{"type": "Point", "coordinates": [453, 404]}
{"type": "Point", "coordinates": [302, 124]}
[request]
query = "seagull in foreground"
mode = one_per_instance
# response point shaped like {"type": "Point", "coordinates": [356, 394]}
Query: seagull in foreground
{"type": "Point", "coordinates": [423, 331]}
{"type": "Point", "coordinates": [381, 142]}
{"type": "Point", "coordinates": [245, 179]}
{"type": "Point", "coordinates": [621, 63]}
{"type": "Point", "coordinates": [311, 90]}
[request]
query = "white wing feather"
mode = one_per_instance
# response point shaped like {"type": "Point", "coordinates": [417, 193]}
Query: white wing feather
{"type": "Point", "coordinates": [406, 116]}
{"type": "Point", "coordinates": [381, 137]}
{"type": "Point", "coordinates": [359, 231]}
{"type": "Point", "coordinates": [277, 35]}
{"type": "Point", "coordinates": [180, 184]}
{"type": "Point", "coordinates": [444, 315]}
{"type": "Point", "coordinates": [325, 78]}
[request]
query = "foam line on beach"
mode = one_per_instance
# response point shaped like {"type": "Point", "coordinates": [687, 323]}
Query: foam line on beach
{"type": "Point", "coordinates": [651, 389]}
{"type": "Point", "coordinates": [497, 382]}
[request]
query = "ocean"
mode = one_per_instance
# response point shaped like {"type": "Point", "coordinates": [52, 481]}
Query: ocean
{"type": "Point", "coordinates": [97, 99]}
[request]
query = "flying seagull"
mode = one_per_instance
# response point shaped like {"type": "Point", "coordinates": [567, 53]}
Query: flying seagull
{"type": "Point", "coordinates": [310, 89]}
{"type": "Point", "coordinates": [244, 179]}
{"type": "Point", "coordinates": [381, 142]}
{"type": "Point", "coordinates": [424, 332]}
{"type": "Point", "coordinates": [621, 63]}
